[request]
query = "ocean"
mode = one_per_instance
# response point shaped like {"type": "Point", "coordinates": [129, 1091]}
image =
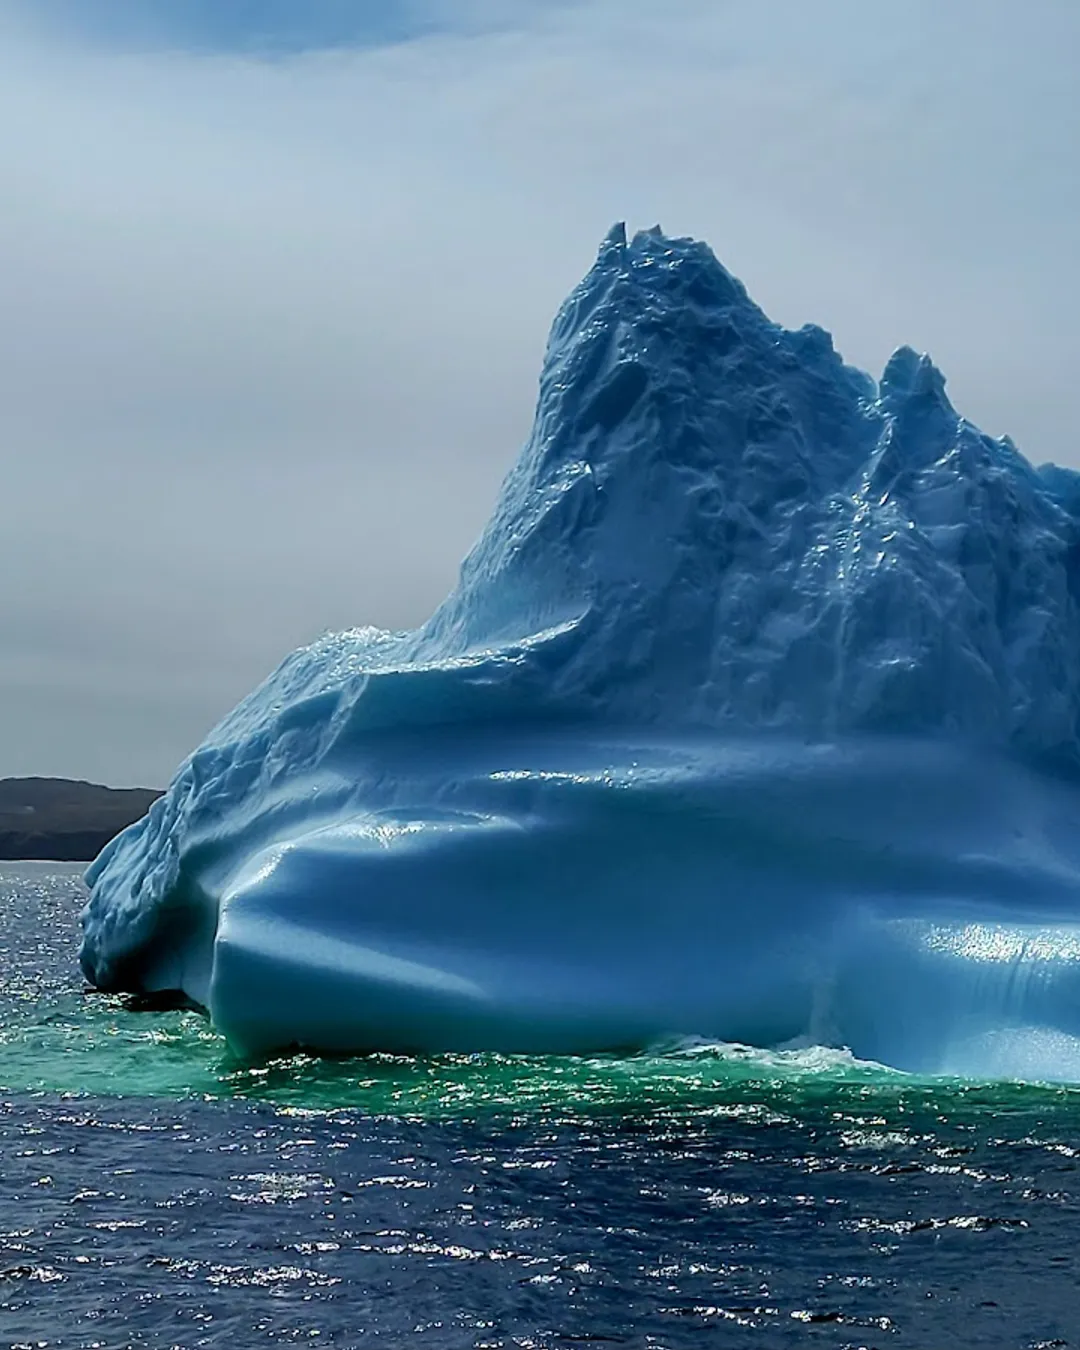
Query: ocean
{"type": "Point", "coordinates": [155, 1192]}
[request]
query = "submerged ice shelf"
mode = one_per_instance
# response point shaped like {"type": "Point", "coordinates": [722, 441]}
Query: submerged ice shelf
{"type": "Point", "coordinates": [754, 715]}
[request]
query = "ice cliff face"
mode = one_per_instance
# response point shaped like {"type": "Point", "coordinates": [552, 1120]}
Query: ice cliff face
{"type": "Point", "coordinates": [723, 558]}
{"type": "Point", "coordinates": [735, 530]}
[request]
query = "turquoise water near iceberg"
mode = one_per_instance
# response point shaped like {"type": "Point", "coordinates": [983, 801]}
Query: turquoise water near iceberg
{"type": "Point", "coordinates": [158, 1192]}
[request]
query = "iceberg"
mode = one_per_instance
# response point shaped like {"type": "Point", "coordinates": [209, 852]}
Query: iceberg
{"type": "Point", "coordinates": [754, 715]}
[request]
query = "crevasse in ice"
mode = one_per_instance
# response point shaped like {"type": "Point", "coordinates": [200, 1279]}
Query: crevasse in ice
{"type": "Point", "coordinates": [754, 715]}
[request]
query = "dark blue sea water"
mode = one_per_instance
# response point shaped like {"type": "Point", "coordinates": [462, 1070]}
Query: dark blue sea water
{"type": "Point", "coordinates": [156, 1193]}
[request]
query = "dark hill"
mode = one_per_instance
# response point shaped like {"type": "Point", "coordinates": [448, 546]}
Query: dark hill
{"type": "Point", "coordinates": [64, 821]}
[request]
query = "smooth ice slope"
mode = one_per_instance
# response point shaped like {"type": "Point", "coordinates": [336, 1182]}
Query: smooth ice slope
{"type": "Point", "coordinates": [754, 715]}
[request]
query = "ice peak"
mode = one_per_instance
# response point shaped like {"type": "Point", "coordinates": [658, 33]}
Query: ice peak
{"type": "Point", "coordinates": [614, 242]}
{"type": "Point", "coordinates": [911, 377]}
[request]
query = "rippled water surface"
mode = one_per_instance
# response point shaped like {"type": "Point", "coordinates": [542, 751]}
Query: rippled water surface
{"type": "Point", "coordinates": [156, 1193]}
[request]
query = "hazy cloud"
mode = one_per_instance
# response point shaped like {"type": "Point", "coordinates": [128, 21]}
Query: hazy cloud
{"type": "Point", "coordinates": [270, 329]}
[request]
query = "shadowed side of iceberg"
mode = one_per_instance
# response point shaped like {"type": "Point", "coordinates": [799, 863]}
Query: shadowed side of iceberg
{"type": "Point", "coordinates": [585, 890]}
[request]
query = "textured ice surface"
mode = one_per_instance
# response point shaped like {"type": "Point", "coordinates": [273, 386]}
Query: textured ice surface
{"type": "Point", "coordinates": [754, 714]}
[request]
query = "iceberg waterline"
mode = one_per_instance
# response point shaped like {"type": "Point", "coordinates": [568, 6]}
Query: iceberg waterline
{"type": "Point", "coordinates": [754, 715]}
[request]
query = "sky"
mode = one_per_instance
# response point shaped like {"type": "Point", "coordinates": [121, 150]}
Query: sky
{"type": "Point", "coordinates": [276, 276]}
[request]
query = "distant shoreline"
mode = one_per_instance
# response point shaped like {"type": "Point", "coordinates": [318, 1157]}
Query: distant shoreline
{"type": "Point", "coordinates": [64, 820]}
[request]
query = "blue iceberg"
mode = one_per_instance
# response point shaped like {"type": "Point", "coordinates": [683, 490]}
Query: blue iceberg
{"type": "Point", "coordinates": [754, 716]}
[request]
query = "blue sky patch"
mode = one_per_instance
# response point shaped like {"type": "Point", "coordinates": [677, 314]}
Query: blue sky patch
{"type": "Point", "coordinates": [253, 26]}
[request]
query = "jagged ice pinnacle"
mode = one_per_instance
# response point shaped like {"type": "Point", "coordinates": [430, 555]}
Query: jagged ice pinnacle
{"type": "Point", "coordinates": [754, 715]}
